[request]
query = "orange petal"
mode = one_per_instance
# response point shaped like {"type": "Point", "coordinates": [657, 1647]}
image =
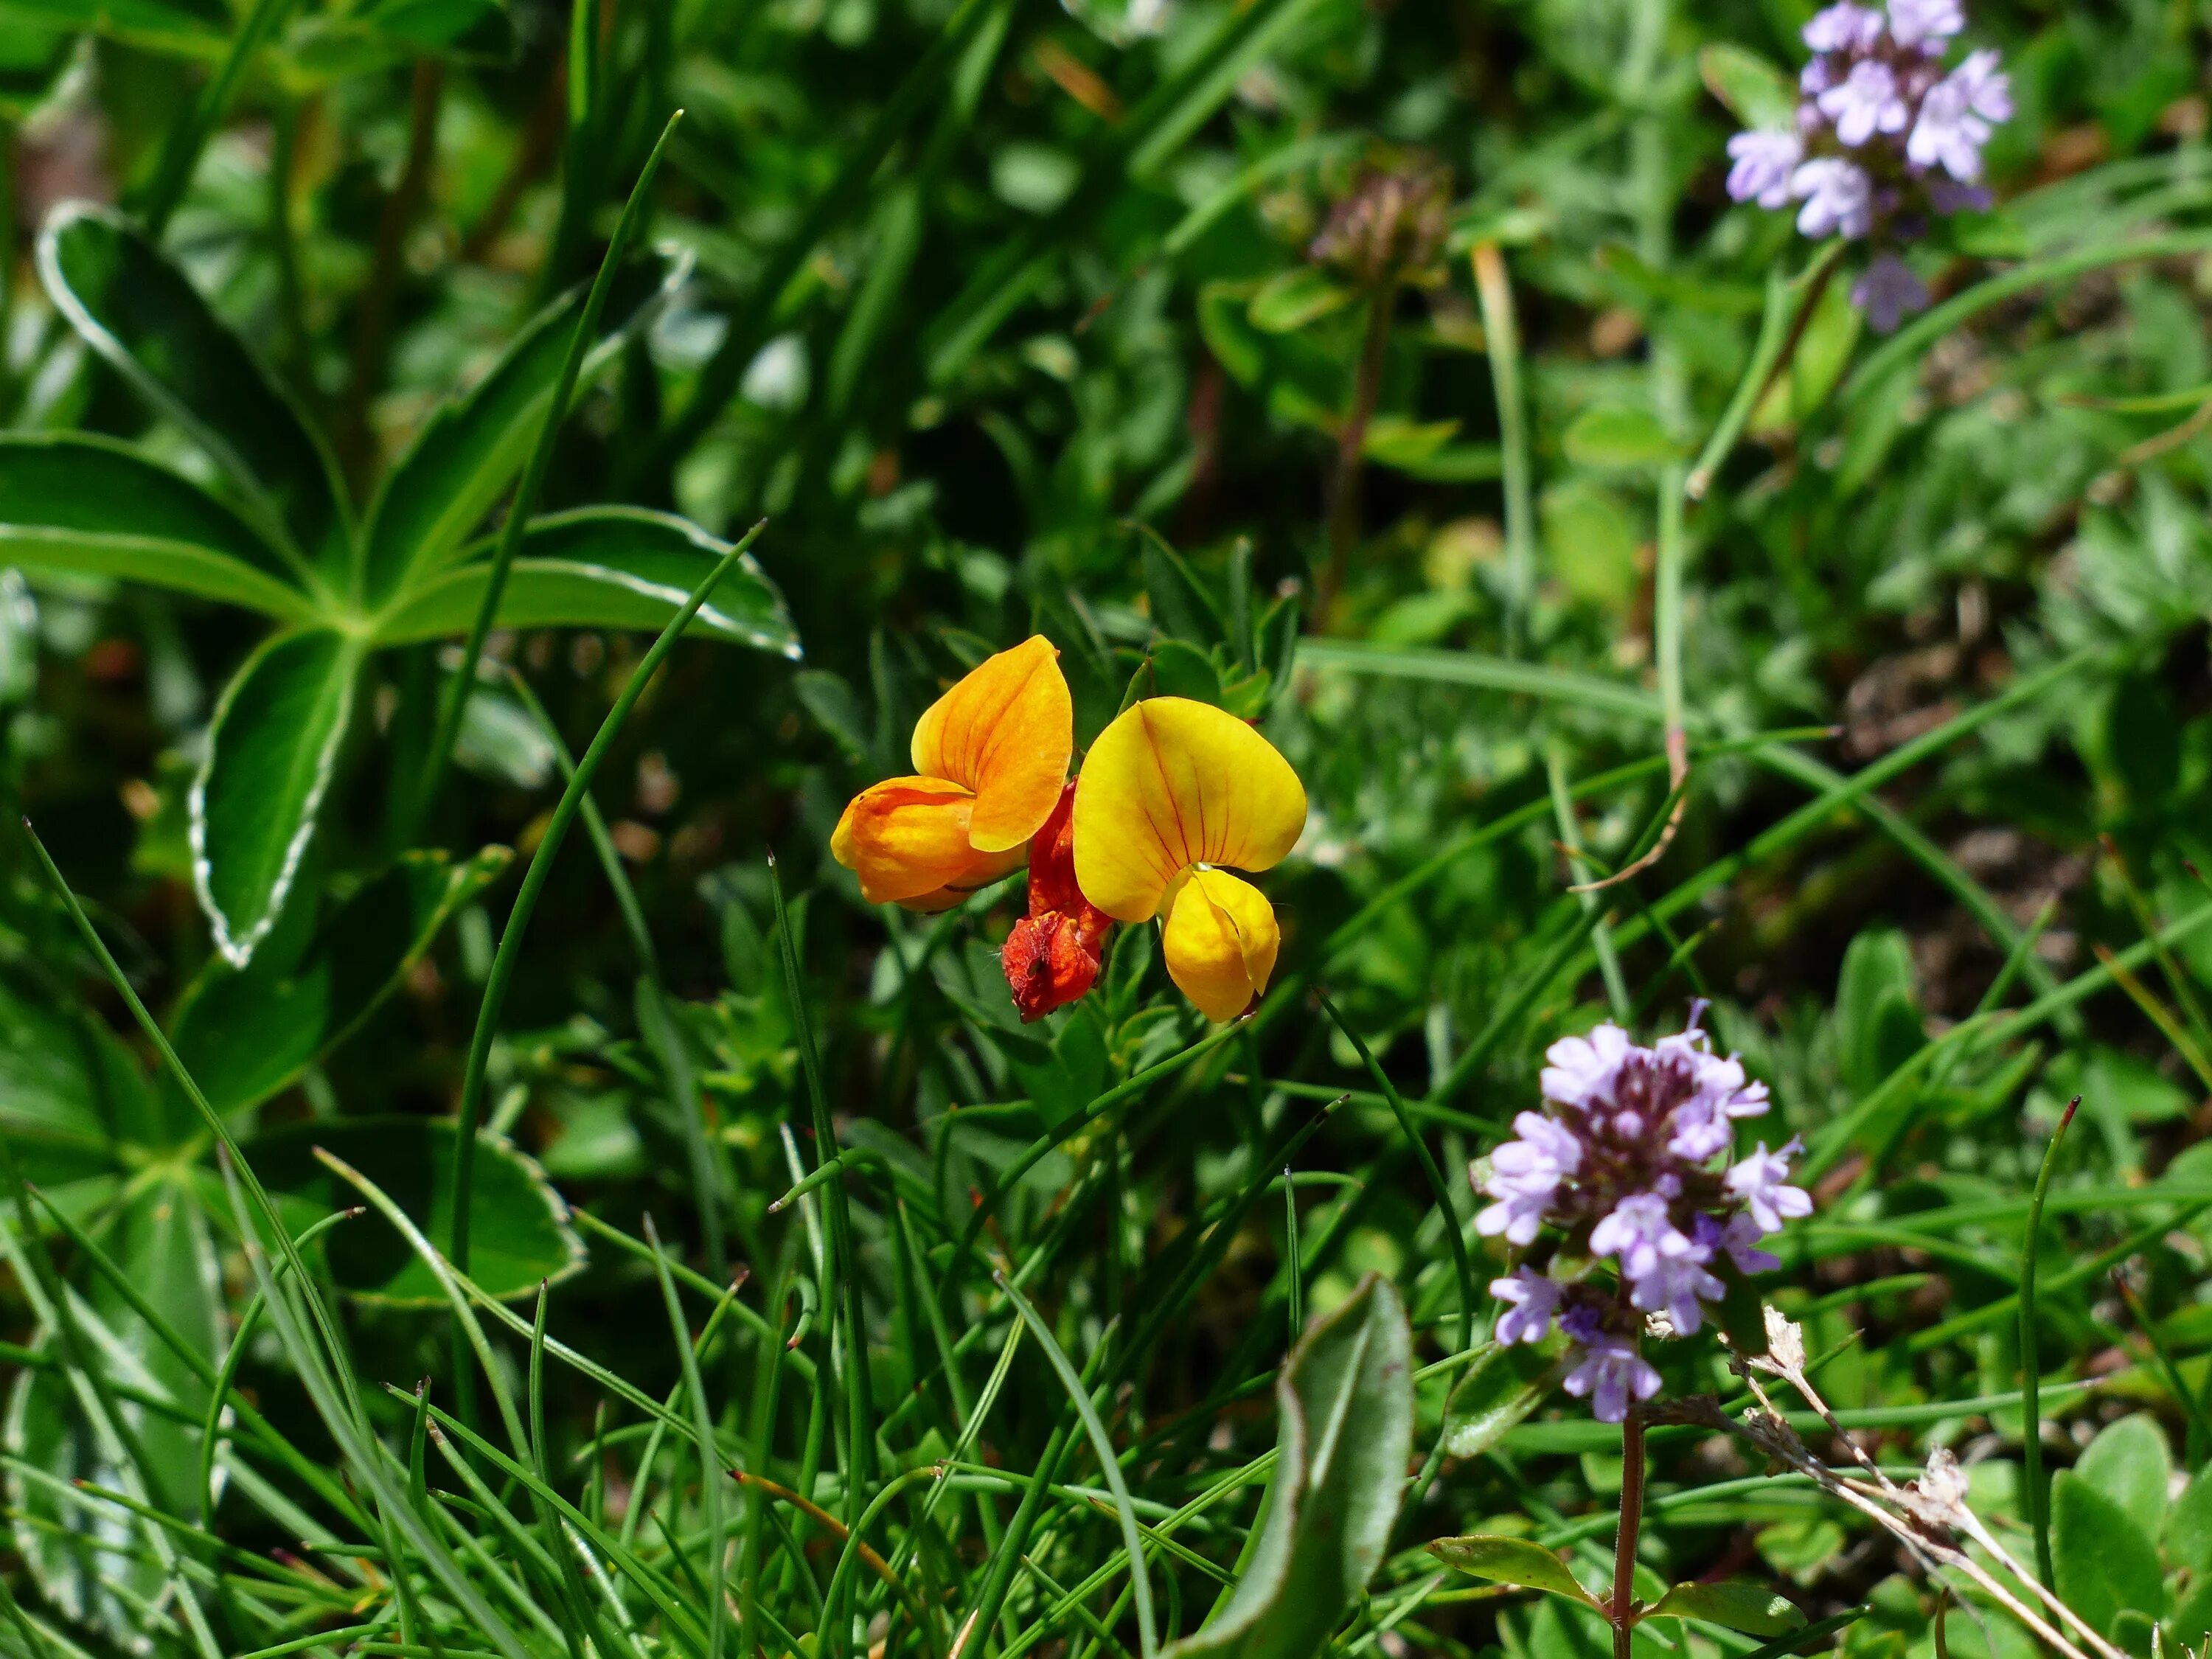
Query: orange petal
{"type": "Point", "coordinates": [1006, 733]}
{"type": "Point", "coordinates": [1173, 783]}
{"type": "Point", "coordinates": [908, 839]}
{"type": "Point", "coordinates": [1220, 940]}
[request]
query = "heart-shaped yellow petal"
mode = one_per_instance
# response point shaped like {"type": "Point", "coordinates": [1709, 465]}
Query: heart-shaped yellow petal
{"type": "Point", "coordinates": [1006, 732]}
{"type": "Point", "coordinates": [1220, 940]}
{"type": "Point", "coordinates": [1172, 784]}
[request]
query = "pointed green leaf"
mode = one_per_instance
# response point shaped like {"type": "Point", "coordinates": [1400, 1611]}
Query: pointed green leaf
{"type": "Point", "coordinates": [1345, 1401]}
{"type": "Point", "coordinates": [1748, 1607]}
{"type": "Point", "coordinates": [245, 1033]}
{"type": "Point", "coordinates": [71, 1096]}
{"type": "Point", "coordinates": [472, 448]}
{"type": "Point", "coordinates": [93, 506]}
{"type": "Point", "coordinates": [137, 310]}
{"type": "Point", "coordinates": [519, 1230]}
{"type": "Point", "coordinates": [612, 567]}
{"type": "Point", "coordinates": [1617, 438]}
{"type": "Point", "coordinates": [271, 750]}
{"type": "Point", "coordinates": [1500, 1387]}
{"type": "Point", "coordinates": [1291, 299]}
{"type": "Point", "coordinates": [1515, 1561]}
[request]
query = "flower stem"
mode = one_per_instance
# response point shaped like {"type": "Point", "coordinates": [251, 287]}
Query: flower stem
{"type": "Point", "coordinates": [1631, 1523]}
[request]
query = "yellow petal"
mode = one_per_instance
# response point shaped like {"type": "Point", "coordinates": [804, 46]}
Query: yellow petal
{"type": "Point", "coordinates": [1220, 940]}
{"type": "Point", "coordinates": [1006, 734]}
{"type": "Point", "coordinates": [908, 839]}
{"type": "Point", "coordinates": [1173, 783]}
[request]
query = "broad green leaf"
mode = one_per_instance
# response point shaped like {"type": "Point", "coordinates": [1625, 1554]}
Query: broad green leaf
{"type": "Point", "coordinates": [2129, 1463]}
{"type": "Point", "coordinates": [245, 1033]}
{"type": "Point", "coordinates": [1515, 1561]}
{"type": "Point", "coordinates": [1500, 1387]}
{"type": "Point", "coordinates": [1752, 90]}
{"type": "Point", "coordinates": [91, 506]}
{"type": "Point", "coordinates": [270, 753]}
{"type": "Point", "coordinates": [199, 27]}
{"type": "Point", "coordinates": [1288, 300]}
{"type": "Point", "coordinates": [1344, 1405]}
{"type": "Point", "coordinates": [613, 566]}
{"type": "Point", "coordinates": [1750, 1608]}
{"type": "Point", "coordinates": [473, 447]}
{"type": "Point", "coordinates": [2105, 1562]}
{"type": "Point", "coordinates": [137, 310]}
{"type": "Point", "coordinates": [1615, 437]}
{"type": "Point", "coordinates": [71, 1096]}
{"type": "Point", "coordinates": [1877, 1009]}
{"type": "Point", "coordinates": [518, 1230]}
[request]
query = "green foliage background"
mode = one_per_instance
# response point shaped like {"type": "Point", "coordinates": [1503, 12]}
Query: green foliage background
{"type": "Point", "coordinates": [1006, 317]}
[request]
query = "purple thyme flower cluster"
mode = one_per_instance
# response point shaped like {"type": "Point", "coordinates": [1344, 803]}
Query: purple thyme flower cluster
{"type": "Point", "coordinates": [1624, 1169]}
{"type": "Point", "coordinates": [1887, 138]}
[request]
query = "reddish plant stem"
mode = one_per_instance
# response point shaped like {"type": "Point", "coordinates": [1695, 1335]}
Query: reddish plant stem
{"type": "Point", "coordinates": [1631, 1523]}
{"type": "Point", "coordinates": [1351, 450]}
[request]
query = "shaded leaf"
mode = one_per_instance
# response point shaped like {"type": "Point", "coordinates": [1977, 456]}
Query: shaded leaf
{"type": "Point", "coordinates": [71, 1096]}
{"type": "Point", "coordinates": [2189, 1526]}
{"type": "Point", "coordinates": [1751, 1609]}
{"type": "Point", "coordinates": [245, 1033]}
{"type": "Point", "coordinates": [270, 753]}
{"type": "Point", "coordinates": [1293, 298]}
{"type": "Point", "coordinates": [89, 505]}
{"type": "Point", "coordinates": [474, 446]}
{"type": "Point", "coordinates": [137, 310]}
{"type": "Point", "coordinates": [1615, 437]}
{"type": "Point", "coordinates": [33, 59]}
{"type": "Point", "coordinates": [519, 1230]}
{"type": "Point", "coordinates": [608, 567]}
{"type": "Point", "coordinates": [1345, 1401]}
{"type": "Point", "coordinates": [1515, 1561]}
{"type": "Point", "coordinates": [199, 27]}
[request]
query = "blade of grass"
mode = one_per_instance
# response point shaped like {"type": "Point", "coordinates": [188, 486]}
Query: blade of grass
{"type": "Point", "coordinates": [2036, 1489]}
{"type": "Point", "coordinates": [508, 954]}
{"type": "Point", "coordinates": [525, 502]}
{"type": "Point", "coordinates": [702, 1429]}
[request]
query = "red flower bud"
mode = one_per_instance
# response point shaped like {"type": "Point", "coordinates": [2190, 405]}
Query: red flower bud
{"type": "Point", "coordinates": [1051, 957]}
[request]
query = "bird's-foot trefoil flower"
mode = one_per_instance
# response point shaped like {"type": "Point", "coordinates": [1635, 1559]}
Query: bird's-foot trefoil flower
{"type": "Point", "coordinates": [1621, 1198]}
{"type": "Point", "coordinates": [1174, 795]}
{"type": "Point", "coordinates": [1051, 957]}
{"type": "Point", "coordinates": [990, 759]}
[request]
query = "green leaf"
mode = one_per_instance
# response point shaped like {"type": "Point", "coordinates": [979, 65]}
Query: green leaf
{"type": "Point", "coordinates": [1500, 1387]}
{"type": "Point", "coordinates": [245, 1033]}
{"type": "Point", "coordinates": [71, 1096]}
{"type": "Point", "coordinates": [1877, 1009]}
{"type": "Point", "coordinates": [603, 567]}
{"type": "Point", "coordinates": [1753, 91]}
{"type": "Point", "coordinates": [1291, 299]}
{"type": "Point", "coordinates": [471, 449]}
{"type": "Point", "coordinates": [2189, 1526]}
{"type": "Point", "coordinates": [91, 506]}
{"type": "Point", "coordinates": [271, 750]}
{"type": "Point", "coordinates": [2129, 1463]}
{"type": "Point", "coordinates": [199, 27]}
{"type": "Point", "coordinates": [1615, 437]}
{"type": "Point", "coordinates": [1515, 1561]}
{"type": "Point", "coordinates": [375, 37]}
{"type": "Point", "coordinates": [1345, 1401]}
{"type": "Point", "coordinates": [1750, 1608]}
{"type": "Point", "coordinates": [519, 1230]}
{"type": "Point", "coordinates": [2104, 1561]}
{"type": "Point", "coordinates": [137, 310]}
{"type": "Point", "coordinates": [1182, 607]}
{"type": "Point", "coordinates": [1181, 670]}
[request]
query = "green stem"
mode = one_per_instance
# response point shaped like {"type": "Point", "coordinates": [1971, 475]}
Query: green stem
{"type": "Point", "coordinates": [533, 481]}
{"type": "Point", "coordinates": [1503, 341]}
{"type": "Point", "coordinates": [180, 155]}
{"type": "Point", "coordinates": [2030, 1376]}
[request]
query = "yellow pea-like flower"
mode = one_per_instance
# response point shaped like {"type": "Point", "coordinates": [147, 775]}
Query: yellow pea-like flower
{"type": "Point", "coordinates": [1172, 792]}
{"type": "Point", "coordinates": [990, 758]}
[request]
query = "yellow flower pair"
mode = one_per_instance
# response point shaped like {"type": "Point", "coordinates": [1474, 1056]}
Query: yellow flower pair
{"type": "Point", "coordinates": [1172, 792]}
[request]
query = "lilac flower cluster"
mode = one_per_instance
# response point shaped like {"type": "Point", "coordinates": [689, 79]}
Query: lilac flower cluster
{"type": "Point", "coordinates": [1624, 1169]}
{"type": "Point", "coordinates": [1886, 139]}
